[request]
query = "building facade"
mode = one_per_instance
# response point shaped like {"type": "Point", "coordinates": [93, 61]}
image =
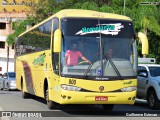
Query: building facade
{"type": "Point", "coordinates": [10, 11]}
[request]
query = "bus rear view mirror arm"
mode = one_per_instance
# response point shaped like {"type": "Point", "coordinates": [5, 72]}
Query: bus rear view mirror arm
{"type": "Point", "coordinates": [143, 39]}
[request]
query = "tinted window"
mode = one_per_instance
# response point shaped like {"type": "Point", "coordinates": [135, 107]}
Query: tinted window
{"type": "Point", "coordinates": [107, 27]}
{"type": "Point", "coordinates": [55, 56]}
{"type": "Point", "coordinates": [56, 24]}
{"type": "Point", "coordinates": [36, 40]}
{"type": "Point", "coordinates": [96, 39]}
{"type": "Point", "coordinates": [154, 71]}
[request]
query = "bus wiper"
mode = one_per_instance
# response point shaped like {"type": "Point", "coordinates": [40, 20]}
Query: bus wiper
{"type": "Point", "coordinates": [114, 67]}
{"type": "Point", "coordinates": [90, 66]}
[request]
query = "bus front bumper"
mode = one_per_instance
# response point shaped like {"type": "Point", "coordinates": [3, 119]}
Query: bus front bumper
{"type": "Point", "coordinates": [72, 97]}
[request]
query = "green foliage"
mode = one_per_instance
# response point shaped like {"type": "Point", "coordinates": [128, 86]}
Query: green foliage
{"type": "Point", "coordinates": [11, 39]}
{"type": "Point", "coordinates": [87, 6]}
{"type": "Point", "coordinates": [19, 27]}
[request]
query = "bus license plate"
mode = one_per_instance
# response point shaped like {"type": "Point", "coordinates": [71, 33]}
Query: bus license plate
{"type": "Point", "coordinates": [101, 98]}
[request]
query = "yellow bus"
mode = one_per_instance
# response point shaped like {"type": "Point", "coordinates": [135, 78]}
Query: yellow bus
{"type": "Point", "coordinates": [44, 64]}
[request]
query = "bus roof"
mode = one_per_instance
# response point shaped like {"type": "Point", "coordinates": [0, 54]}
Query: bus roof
{"type": "Point", "coordinates": [88, 13]}
{"type": "Point", "coordinates": [81, 13]}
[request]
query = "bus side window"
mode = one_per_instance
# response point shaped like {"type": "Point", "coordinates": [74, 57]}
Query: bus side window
{"type": "Point", "coordinates": [19, 47]}
{"type": "Point", "coordinates": [56, 63]}
{"type": "Point", "coordinates": [55, 56]}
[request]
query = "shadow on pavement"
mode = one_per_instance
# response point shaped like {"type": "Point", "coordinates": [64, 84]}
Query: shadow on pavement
{"type": "Point", "coordinates": [139, 107]}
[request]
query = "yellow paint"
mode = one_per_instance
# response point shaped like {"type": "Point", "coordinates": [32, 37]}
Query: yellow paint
{"type": "Point", "coordinates": [143, 39]}
{"type": "Point", "coordinates": [56, 93]}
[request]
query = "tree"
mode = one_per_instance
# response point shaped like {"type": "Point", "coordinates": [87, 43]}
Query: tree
{"type": "Point", "coordinates": [42, 10]}
{"type": "Point", "coordinates": [10, 41]}
{"type": "Point", "coordinates": [147, 20]}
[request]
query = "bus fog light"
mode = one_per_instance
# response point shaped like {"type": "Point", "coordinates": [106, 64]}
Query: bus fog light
{"type": "Point", "coordinates": [69, 97]}
{"type": "Point", "coordinates": [129, 98]}
{"type": "Point", "coordinates": [129, 89]}
{"type": "Point", "coordinates": [63, 96]}
{"type": "Point", "coordinates": [133, 98]}
{"type": "Point", "coordinates": [70, 88]}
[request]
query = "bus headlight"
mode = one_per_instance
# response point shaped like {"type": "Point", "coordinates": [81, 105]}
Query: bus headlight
{"type": "Point", "coordinates": [70, 88]}
{"type": "Point", "coordinates": [129, 89]}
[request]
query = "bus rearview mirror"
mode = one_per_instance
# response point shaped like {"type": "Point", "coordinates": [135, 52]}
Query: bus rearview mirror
{"type": "Point", "coordinates": [57, 40]}
{"type": "Point", "coordinates": [143, 39]}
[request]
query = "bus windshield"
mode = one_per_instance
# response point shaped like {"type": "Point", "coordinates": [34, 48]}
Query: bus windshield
{"type": "Point", "coordinates": [107, 44]}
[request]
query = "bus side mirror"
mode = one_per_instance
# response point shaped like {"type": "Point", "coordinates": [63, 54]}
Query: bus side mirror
{"type": "Point", "coordinates": [143, 39]}
{"type": "Point", "coordinates": [57, 40]}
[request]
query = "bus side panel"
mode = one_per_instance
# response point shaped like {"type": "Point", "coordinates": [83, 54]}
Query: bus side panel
{"type": "Point", "coordinates": [34, 68]}
{"type": "Point", "coordinates": [39, 78]}
{"type": "Point", "coordinates": [18, 77]}
{"type": "Point", "coordinates": [41, 68]}
{"type": "Point", "coordinates": [54, 88]}
{"type": "Point", "coordinates": [19, 73]}
{"type": "Point", "coordinates": [23, 74]}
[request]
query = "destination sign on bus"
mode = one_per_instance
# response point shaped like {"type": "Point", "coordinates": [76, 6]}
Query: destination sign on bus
{"type": "Point", "coordinates": [112, 29]}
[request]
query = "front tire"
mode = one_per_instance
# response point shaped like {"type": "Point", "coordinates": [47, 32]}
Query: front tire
{"type": "Point", "coordinates": [24, 94]}
{"type": "Point", "coordinates": [50, 104]}
{"type": "Point", "coordinates": [153, 101]}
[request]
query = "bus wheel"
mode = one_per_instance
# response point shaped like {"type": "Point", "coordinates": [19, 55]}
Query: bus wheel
{"type": "Point", "coordinates": [108, 107]}
{"type": "Point", "coordinates": [50, 104]}
{"type": "Point", "coordinates": [24, 94]}
{"type": "Point", "coordinates": [153, 101]}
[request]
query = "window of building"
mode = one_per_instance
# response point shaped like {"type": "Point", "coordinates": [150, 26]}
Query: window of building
{"type": "Point", "coordinates": [2, 25]}
{"type": "Point", "coordinates": [2, 44]}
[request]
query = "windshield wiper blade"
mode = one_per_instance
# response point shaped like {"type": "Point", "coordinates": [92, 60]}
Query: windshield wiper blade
{"type": "Point", "coordinates": [107, 58]}
{"type": "Point", "coordinates": [114, 66]}
{"type": "Point", "coordinates": [90, 66]}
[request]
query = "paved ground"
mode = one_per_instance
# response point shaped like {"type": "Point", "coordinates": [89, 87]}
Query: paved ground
{"type": "Point", "coordinates": [12, 101]}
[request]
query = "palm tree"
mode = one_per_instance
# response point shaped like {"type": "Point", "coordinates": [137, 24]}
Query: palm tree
{"type": "Point", "coordinates": [10, 41]}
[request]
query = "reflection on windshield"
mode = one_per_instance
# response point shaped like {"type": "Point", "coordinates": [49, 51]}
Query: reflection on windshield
{"type": "Point", "coordinates": [154, 71]}
{"type": "Point", "coordinates": [86, 44]}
